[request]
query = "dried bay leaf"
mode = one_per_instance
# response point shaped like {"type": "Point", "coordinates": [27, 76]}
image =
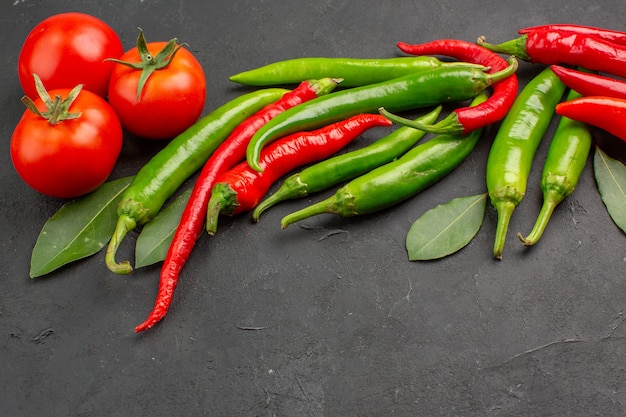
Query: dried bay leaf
{"type": "Point", "coordinates": [446, 229]}
{"type": "Point", "coordinates": [610, 177]}
{"type": "Point", "coordinates": [79, 229]}
{"type": "Point", "coordinates": [156, 236]}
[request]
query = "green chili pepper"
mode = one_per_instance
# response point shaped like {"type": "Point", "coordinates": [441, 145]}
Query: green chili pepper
{"type": "Point", "coordinates": [347, 166]}
{"type": "Point", "coordinates": [514, 147]}
{"type": "Point", "coordinates": [567, 157]}
{"type": "Point", "coordinates": [354, 71]}
{"type": "Point", "coordinates": [398, 180]}
{"type": "Point", "coordinates": [157, 180]}
{"type": "Point", "coordinates": [421, 89]}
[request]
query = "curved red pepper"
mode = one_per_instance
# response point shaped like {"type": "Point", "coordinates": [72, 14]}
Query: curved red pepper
{"type": "Point", "coordinates": [588, 84]}
{"type": "Point", "coordinates": [606, 113]}
{"type": "Point", "coordinates": [561, 47]}
{"type": "Point", "coordinates": [606, 34]}
{"type": "Point", "coordinates": [228, 154]}
{"type": "Point", "coordinates": [242, 188]}
{"type": "Point", "coordinates": [504, 92]}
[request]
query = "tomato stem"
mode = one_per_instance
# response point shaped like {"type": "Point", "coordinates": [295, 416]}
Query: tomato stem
{"type": "Point", "coordinates": [57, 110]}
{"type": "Point", "coordinates": [150, 63]}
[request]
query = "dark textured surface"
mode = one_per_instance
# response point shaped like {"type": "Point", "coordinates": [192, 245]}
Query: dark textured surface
{"type": "Point", "coordinates": [345, 324]}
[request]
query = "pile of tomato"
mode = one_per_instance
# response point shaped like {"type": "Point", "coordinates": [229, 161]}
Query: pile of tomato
{"type": "Point", "coordinates": [82, 91]}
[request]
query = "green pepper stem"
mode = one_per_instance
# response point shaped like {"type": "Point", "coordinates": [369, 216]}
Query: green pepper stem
{"type": "Point", "coordinates": [324, 86]}
{"type": "Point", "coordinates": [505, 210]}
{"type": "Point", "coordinates": [223, 200]}
{"type": "Point", "coordinates": [291, 188]}
{"type": "Point", "coordinates": [449, 125]}
{"type": "Point", "coordinates": [124, 225]}
{"type": "Point", "coordinates": [516, 47]}
{"type": "Point", "coordinates": [550, 201]}
{"type": "Point", "coordinates": [492, 78]}
{"type": "Point", "coordinates": [324, 206]}
{"type": "Point", "coordinates": [213, 213]}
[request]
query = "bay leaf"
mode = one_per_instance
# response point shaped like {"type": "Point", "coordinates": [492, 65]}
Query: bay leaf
{"type": "Point", "coordinates": [156, 236]}
{"type": "Point", "coordinates": [446, 228]}
{"type": "Point", "coordinates": [610, 177]}
{"type": "Point", "coordinates": [79, 229]}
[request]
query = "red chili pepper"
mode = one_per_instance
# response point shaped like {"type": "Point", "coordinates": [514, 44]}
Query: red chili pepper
{"type": "Point", "coordinates": [228, 154]}
{"type": "Point", "coordinates": [504, 92]}
{"type": "Point", "coordinates": [561, 47]}
{"type": "Point", "coordinates": [606, 34]}
{"type": "Point", "coordinates": [607, 113]}
{"type": "Point", "coordinates": [588, 84]}
{"type": "Point", "coordinates": [242, 188]}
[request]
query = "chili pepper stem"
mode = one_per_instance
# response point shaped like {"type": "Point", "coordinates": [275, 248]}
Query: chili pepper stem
{"type": "Point", "coordinates": [292, 187]}
{"type": "Point", "coordinates": [516, 47]}
{"type": "Point", "coordinates": [223, 200]}
{"type": "Point", "coordinates": [324, 206]}
{"type": "Point", "coordinates": [213, 213]}
{"type": "Point", "coordinates": [505, 212]}
{"type": "Point", "coordinates": [124, 225]}
{"type": "Point", "coordinates": [551, 200]}
{"type": "Point", "coordinates": [449, 125]}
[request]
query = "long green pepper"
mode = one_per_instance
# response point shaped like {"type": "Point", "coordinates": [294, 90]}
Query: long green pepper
{"type": "Point", "coordinates": [418, 90]}
{"type": "Point", "coordinates": [347, 166]}
{"type": "Point", "coordinates": [355, 72]}
{"type": "Point", "coordinates": [398, 180]}
{"type": "Point", "coordinates": [158, 179]}
{"type": "Point", "coordinates": [514, 147]}
{"type": "Point", "coordinates": [565, 162]}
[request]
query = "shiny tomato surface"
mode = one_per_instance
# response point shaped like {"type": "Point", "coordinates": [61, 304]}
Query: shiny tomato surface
{"type": "Point", "coordinates": [68, 49]}
{"type": "Point", "coordinates": [72, 157]}
{"type": "Point", "coordinates": [171, 100]}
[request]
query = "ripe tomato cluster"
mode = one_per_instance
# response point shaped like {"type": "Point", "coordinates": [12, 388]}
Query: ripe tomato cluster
{"type": "Point", "coordinates": [82, 91]}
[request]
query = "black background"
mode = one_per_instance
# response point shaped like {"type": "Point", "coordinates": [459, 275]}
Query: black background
{"type": "Point", "coordinates": [350, 327]}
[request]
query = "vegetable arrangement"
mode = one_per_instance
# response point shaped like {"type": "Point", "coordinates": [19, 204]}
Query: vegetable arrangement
{"type": "Point", "coordinates": [226, 156]}
{"type": "Point", "coordinates": [398, 180]}
{"type": "Point", "coordinates": [239, 150]}
{"type": "Point", "coordinates": [167, 170]}
{"type": "Point", "coordinates": [513, 149]}
{"type": "Point", "coordinates": [567, 157]}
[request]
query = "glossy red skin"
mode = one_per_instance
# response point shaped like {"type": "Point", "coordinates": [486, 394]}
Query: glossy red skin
{"type": "Point", "coordinates": [557, 47]}
{"type": "Point", "coordinates": [172, 99]}
{"type": "Point", "coordinates": [68, 49]}
{"type": "Point", "coordinates": [73, 157]}
{"type": "Point", "coordinates": [606, 113]}
{"type": "Point", "coordinates": [589, 84]}
{"type": "Point", "coordinates": [606, 34]}
{"type": "Point", "coordinates": [290, 152]}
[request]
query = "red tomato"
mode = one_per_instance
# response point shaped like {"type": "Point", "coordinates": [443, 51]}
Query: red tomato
{"type": "Point", "coordinates": [74, 156]}
{"type": "Point", "coordinates": [171, 100]}
{"type": "Point", "coordinates": [68, 49]}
